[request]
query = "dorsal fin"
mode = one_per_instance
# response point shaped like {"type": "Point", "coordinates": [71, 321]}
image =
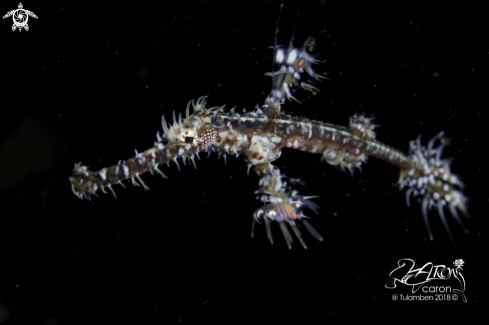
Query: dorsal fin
{"type": "Point", "coordinates": [292, 68]}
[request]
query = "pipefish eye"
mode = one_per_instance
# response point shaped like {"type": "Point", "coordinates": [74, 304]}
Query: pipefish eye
{"type": "Point", "coordinates": [189, 140]}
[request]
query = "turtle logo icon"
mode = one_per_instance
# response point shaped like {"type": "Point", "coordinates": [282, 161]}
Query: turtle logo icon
{"type": "Point", "coordinates": [20, 17]}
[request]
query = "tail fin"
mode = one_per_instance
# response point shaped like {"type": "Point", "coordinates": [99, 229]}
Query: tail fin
{"type": "Point", "coordinates": [431, 181]}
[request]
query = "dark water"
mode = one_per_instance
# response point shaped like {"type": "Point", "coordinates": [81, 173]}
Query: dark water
{"type": "Point", "coordinates": [90, 84]}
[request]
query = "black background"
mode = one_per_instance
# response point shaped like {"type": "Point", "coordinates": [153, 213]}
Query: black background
{"type": "Point", "coordinates": [89, 83]}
